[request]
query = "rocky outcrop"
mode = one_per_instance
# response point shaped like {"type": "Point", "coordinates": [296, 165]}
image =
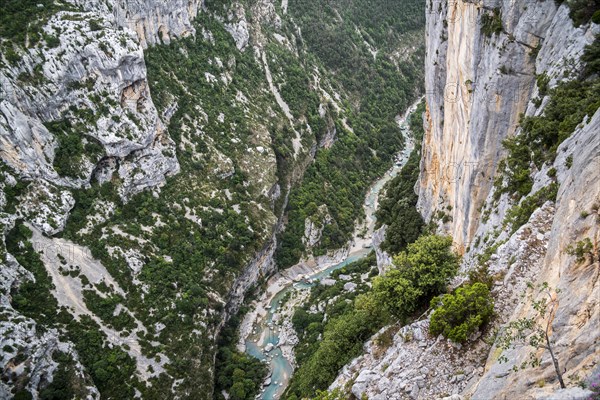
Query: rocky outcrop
{"type": "Point", "coordinates": [383, 258]}
{"type": "Point", "coordinates": [477, 87]}
{"type": "Point", "coordinates": [576, 324]}
{"type": "Point", "coordinates": [404, 369]}
{"type": "Point", "coordinates": [261, 267]}
{"type": "Point", "coordinates": [157, 22]}
{"type": "Point", "coordinates": [314, 225]}
{"type": "Point", "coordinates": [101, 89]}
{"type": "Point", "coordinates": [487, 82]}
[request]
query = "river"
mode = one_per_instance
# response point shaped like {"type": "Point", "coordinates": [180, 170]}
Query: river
{"type": "Point", "coordinates": [262, 333]}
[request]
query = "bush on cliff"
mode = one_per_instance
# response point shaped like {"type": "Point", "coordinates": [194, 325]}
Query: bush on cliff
{"type": "Point", "coordinates": [458, 315]}
{"type": "Point", "coordinates": [420, 272]}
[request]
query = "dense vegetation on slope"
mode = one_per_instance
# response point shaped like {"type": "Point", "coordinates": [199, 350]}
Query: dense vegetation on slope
{"type": "Point", "coordinates": [190, 238]}
{"type": "Point", "coordinates": [569, 104]}
{"type": "Point", "coordinates": [421, 272]}
{"type": "Point", "coordinates": [341, 36]}
{"type": "Point", "coordinates": [459, 314]}
{"type": "Point", "coordinates": [238, 374]}
{"type": "Point", "coordinates": [21, 22]}
{"type": "Point", "coordinates": [328, 344]}
{"type": "Point", "coordinates": [582, 11]}
{"type": "Point", "coordinates": [110, 368]}
{"type": "Point", "coordinates": [345, 320]}
{"type": "Point", "coordinates": [397, 203]}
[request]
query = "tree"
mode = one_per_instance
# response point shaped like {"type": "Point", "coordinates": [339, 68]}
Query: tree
{"type": "Point", "coordinates": [429, 263]}
{"type": "Point", "coordinates": [458, 315]}
{"type": "Point", "coordinates": [419, 273]}
{"type": "Point", "coordinates": [238, 391]}
{"type": "Point", "coordinates": [335, 394]}
{"type": "Point", "coordinates": [342, 340]}
{"type": "Point", "coordinates": [396, 293]}
{"type": "Point", "coordinates": [533, 332]}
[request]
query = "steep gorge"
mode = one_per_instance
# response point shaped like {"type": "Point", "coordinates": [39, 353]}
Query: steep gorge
{"type": "Point", "coordinates": [517, 209]}
{"type": "Point", "coordinates": [161, 160]}
{"type": "Point", "coordinates": [150, 151]}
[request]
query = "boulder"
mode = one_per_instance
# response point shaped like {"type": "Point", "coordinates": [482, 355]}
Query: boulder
{"type": "Point", "coordinates": [350, 286]}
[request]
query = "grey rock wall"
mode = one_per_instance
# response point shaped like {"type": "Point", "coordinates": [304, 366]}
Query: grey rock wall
{"type": "Point", "coordinates": [157, 22]}
{"type": "Point", "coordinates": [95, 79]}
{"type": "Point", "coordinates": [477, 87]}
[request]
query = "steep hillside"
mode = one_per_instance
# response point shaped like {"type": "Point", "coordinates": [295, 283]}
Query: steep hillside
{"type": "Point", "coordinates": [156, 154]}
{"type": "Point", "coordinates": [511, 170]}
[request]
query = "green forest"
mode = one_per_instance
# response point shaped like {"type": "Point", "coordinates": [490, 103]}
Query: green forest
{"type": "Point", "coordinates": [397, 203]}
{"type": "Point", "coordinates": [401, 294]}
{"type": "Point", "coordinates": [380, 87]}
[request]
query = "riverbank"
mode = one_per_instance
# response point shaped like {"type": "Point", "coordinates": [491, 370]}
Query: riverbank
{"type": "Point", "coordinates": [266, 332]}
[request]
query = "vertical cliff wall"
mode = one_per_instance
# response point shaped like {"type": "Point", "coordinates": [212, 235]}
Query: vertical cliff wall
{"type": "Point", "coordinates": [157, 22]}
{"type": "Point", "coordinates": [489, 64]}
{"type": "Point", "coordinates": [478, 83]}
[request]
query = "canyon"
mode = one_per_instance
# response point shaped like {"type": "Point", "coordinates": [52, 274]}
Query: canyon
{"type": "Point", "coordinates": [179, 178]}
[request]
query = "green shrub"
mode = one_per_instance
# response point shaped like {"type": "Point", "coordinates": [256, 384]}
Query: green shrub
{"type": "Point", "coordinates": [569, 104]}
{"type": "Point", "coordinates": [569, 161]}
{"type": "Point", "coordinates": [52, 41]}
{"type": "Point", "coordinates": [582, 11]}
{"type": "Point", "coordinates": [22, 394]}
{"type": "Point", "coordinates": [543, 80]}
{"type": "Point", "coordinates": [591, 57]}
{"type": "Point", "coordinates": [519, 214]}
{"type": "Point", "coordinates": [71, 150]}
{"type": "Point", "coordinates": [421, 272]}
{"type": "Point", "coordinates": [461, 313]}
{"type": "Point", "coordinates": [581, 249]}
{"type": "Point", "coordinates": [491, 24]}
{"type": "Point", "coordinates": [95, 25]}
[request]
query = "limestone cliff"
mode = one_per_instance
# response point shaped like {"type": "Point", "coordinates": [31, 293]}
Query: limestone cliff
{"type": "Point", "coordinates": [477, 88]}
{"type": "Point", "coordinates": [485, 67]}
{"type": "Point", "coordinates": [479, 84]}
{"type": "Point", "coordinates": [157, 22]}
{"type": "Point", "coordinates": [94, 77]}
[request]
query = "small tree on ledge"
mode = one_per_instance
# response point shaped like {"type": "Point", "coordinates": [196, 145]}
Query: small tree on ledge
{"type": "Point", "coordinates": [534, 332]}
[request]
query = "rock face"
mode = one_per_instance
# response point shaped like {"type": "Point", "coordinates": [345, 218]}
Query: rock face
{"type": "Point", "coordinates": [263, 265]}
{"type": "Point", "coordinates": [157, 22]}
{"type": "Point", "coordinates": [477, 86]}
{"type": "Point", "coordinates": [89, 85]}
{"type": "Point", "coordinates": [314, 225]}
{"type": "Point", "coordinates": [383, 258]}
{"type": "Point", "coordinates": [101, 89]}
